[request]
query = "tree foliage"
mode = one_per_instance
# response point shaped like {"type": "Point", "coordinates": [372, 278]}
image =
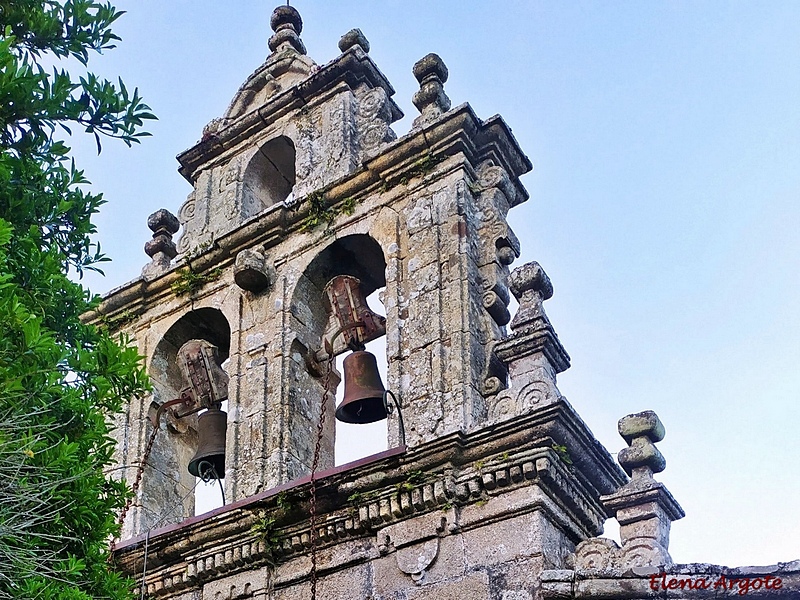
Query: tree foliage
{"type": "Point", "coordinates": [60, 378]}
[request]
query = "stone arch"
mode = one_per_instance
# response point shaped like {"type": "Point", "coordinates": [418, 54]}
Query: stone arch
{"type": "Point", "coordinates": [166, 483]}
{"type": "Point", "coordinates": [358, 255]}
{"type": "Point", "coordinates": [269, 177]}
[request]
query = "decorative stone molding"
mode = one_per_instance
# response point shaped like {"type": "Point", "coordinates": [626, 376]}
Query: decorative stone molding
{"type": "Point", "coordinates": [251, 271]}
{"type": "Point", "coordinates": [643, 507]}
{"type": "Point", "coordinates": [415, 542]}
{"type": "Point", "coordinates": [533, 334]}
{"type": "Point", "coordinates": [405, 515]}
{"type": "Point", "coordinates": [533, 353]}
{"type": "Point", "coordinates": [374, 115]}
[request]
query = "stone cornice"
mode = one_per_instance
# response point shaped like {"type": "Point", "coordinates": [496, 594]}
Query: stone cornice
{"type": "Point", "coordinates": [531, 340]}
{"type": "Point", "coordinates": [631, 496]}
{"type": "Point", "coordinates": [449, 473]}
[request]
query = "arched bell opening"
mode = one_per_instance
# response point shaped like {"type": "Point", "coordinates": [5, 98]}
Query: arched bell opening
{"type": "Point", "coordinates": [269, 176]}
{"type": "Point", "coordinates": [170, 493]}
{"type": "Point", "coordinates": [361, 258]}
{"type": "Point", "coordinates": [356, 440]}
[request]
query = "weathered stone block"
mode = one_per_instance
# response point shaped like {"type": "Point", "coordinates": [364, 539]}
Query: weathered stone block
{"type": "Point", "coordinates": [474, 585]}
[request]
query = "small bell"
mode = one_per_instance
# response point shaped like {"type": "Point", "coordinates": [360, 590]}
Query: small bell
{"type": "Point", "coordinates": [209, 460]}
{"type": "Point", "coordinates": [363, 390]}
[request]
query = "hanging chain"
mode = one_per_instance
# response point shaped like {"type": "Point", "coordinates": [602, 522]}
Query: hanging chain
{"type": "Point", "coordinates": [139, 471]}
{"type": "Point", "coordinates": [326, 384]}
{"type": "Point", "coordinates": [186, 399]}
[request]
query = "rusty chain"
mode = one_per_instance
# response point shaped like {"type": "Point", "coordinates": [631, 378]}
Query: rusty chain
{"type": "Point", "coordinates": [186, 399]}
{"type": "Point", "coordinates": [136, 482]}
{"type": "Point", "coordinates": [326, 383]}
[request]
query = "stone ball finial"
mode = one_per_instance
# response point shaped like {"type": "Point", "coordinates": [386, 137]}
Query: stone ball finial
{"type": "Point", "coordinates": [163, 224]}
{"type": "Point", "coordinates": [287, 25]}
{"type": "Point", "coordinates": [430, 100]}
{"type": "Point", "coordinates": [163, 220]}
{"type": "Point", "coordinates": [528, 278]}
{"type": "Point", "coordinates": [284, 17]}
{"type": "Point", "coordinates": [354, 37]}
{"type": "Point", "coordinates": [430, 67]}
{"type": "Point", "coordinates": [641, 431]}
{"type": "Point", "coordinates": [645, 424]}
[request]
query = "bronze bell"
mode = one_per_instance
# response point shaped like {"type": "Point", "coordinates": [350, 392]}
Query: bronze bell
{"type": "Point", "coordinates": [209, 460]}
{"type": "Point", "coordinates": [363, 390]}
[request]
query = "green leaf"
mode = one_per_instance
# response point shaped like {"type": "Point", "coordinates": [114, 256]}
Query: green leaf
{"type": "Point", "coordinates": [60, 379]}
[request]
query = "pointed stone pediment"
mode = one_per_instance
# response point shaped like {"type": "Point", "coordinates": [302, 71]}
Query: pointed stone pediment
{"type": "Point", "coordinates": [281, 71]}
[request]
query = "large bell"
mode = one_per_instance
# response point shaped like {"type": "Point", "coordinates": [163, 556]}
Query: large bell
{"type": "Point", "coordinates": [363, 390]}
{"type": "Point", "coordinates": [209, 460]}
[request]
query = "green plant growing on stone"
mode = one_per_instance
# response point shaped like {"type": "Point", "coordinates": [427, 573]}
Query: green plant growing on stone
{"type": "Point", "coordinates": [563, 454]}
{"type": "Point", "coordinates": [266, 531]}
{"type": "Point", "coordinates": [198, 251]}
{"type": "Point", "coordinates": [322, 213]}
{"type": "Point", "coordinates": [286, 502]}
{"type": "Point", "coordinates": [282, 501]}
{"type": "Point", "coordinates": [117, 321]}
{"type": "Point", "coordinates": [474, 187]}
{"type": "Point", "coordinates": [188, 282]}
{"type": "Point", "coordinates": [420, 167]}
{"type": "Point", "coordinates": [412, 480]}
{"type": "Point", "coordinates": [357, 498]}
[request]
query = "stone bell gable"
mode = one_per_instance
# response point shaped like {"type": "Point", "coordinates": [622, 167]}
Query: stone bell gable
{"type": "Point", "coordinates": [304, 203]}
{"type": "Point", "coordinates": [293, 128]}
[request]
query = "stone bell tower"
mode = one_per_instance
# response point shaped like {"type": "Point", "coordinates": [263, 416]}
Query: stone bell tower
{"type": "Point", "coordinates": [302, 183]}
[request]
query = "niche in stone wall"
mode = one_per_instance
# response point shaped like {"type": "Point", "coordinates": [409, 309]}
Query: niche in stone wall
{"type": "Point", "coordinates": [168, 489]}
{"type": "Point", "coordinates": [269, 176]}
{"type": "Point", "coordinates": [362, 257]}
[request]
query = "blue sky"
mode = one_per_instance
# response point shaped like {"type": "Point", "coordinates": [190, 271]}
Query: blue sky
{"type": "Point", "coordinates": [664, 204]}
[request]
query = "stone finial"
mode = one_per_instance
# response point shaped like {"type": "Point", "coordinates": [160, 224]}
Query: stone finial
{"type": "Point", "coordinates": [531, 287]}
{"type": "Point", "coordinates": [530, 279]}
{"type": "Point", "coordinates": [354, 37]}
{"type": "Point", "coordinates": [643, 507]}
{"type": "Point", "coordinates": [161, 249]}
{"type": "Point", "coordinates": [533, 353]}
{"type": "Point", "coordinates": [641, 430]}
{"type": "Point", "coordinates": [430, 100]}
{"type": "Point", "coordinates": [287, 25]}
